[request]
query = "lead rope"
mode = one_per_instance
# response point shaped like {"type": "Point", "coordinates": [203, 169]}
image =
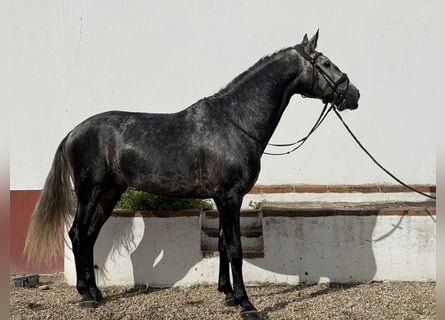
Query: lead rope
{"type": "Point", "coordinates": [321, 118]}
{"type": "Point", "coordinates": [377, 163]}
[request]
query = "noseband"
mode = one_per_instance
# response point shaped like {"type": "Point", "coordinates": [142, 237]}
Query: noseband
{"type": "Point", "coordinates": [337, 96]}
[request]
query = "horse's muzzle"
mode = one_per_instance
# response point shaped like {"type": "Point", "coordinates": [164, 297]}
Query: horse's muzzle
{"type": "Point", "coordinates": [351, 99]}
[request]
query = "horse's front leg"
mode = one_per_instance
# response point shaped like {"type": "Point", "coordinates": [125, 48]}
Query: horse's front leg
{"type": "Point", "coordinates": [224, 284]}
{"type": "Point", "coordinates": [229, 209]}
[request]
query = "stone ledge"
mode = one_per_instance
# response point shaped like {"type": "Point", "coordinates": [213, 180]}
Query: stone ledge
{"type": "Point", "coordinates": [248, 254]}
{"type": "Point", "coordinates": [322, 209]}
{"type": "Point", "coordinates": [251, 213]}
{"type": "Point", "coordinates": [156, 214]}
{"type": "Point", "coordinates": [303, 209]}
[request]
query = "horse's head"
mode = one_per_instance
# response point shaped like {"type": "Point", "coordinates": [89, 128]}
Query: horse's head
{"type": "Point", "coordinates": [323, 79]}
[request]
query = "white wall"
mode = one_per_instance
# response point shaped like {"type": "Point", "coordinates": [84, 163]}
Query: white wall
{"type": "Point", "coordinates": [72, 59]}
{"type": "Point", "coordinates": [340, 249]}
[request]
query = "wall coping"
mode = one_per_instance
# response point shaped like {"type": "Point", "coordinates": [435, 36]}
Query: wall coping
{"type": "Point", "coordinates": [303, 209]}
{"type": "Point", "coordinates": [321, 209]}
{"type": "Point", "coordinates": [156, 214]}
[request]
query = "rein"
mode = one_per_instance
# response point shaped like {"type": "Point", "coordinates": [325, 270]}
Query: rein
{"type": "Point", "coordinates": [377, 163]}
{"type": "Point", "coordinates": [300, 142]}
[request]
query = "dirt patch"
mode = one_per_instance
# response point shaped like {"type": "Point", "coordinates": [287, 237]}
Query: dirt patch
{"type": "Point", "coordinates": [395, 300]}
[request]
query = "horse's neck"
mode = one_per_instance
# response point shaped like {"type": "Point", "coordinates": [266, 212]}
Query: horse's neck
{"type": "Point", "coordinates": [258, 101]}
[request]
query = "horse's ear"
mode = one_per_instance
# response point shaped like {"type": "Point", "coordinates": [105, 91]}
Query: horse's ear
{"type": "Point", "coordinates": [305, 40]}
{"type": "Point", "coordinates": [312, 45]}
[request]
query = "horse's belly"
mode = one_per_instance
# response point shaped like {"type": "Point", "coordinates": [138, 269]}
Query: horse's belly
{"type": "Point", "coordinates": [172, 185]}
{"type": "Point", "coordinates": [170, 175]}
{"type": "Point", "coordinates": [197, 173]}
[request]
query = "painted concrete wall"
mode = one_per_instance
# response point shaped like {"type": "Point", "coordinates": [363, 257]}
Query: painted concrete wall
{"type": "Point", "coordinates": [22, 205]}
{"type": "Point", "coordinates": [72, 59]}
{"type": "Point", "coordinates": [341, 249]}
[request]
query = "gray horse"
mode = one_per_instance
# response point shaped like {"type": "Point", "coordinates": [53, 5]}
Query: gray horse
{"type": "Point", "coordinates": [211, 149]}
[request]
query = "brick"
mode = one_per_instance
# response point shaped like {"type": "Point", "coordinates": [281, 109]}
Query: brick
{"type": "Point", "coordinates": [365, 188]}
{"type": "Point", "coordinates": [311, 188]}
{"type": "Point", "coordinates": [425, 188]}
{"type": "Point", "coordinates": [338, 188]}
{"type": "Point", "coordinates": [392, 188]}
{"type": "Point", "coordinates": [256, 190]}
{"type": "Point", "coordinates": [372, 188]}
{"type": "Point", "coordinates": [278, 189]}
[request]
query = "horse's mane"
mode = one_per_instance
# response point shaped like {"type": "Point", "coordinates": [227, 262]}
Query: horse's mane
{"type": "Point", "coordinates": [260, 64]}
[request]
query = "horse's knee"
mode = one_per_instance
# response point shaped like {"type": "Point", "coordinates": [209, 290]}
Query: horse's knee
{"type": "Point", "coordinates": [235, 255]}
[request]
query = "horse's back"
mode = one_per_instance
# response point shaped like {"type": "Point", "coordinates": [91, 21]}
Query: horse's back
{"type": "Point", "coordinates": [107, 134]}
{"type": "Point", "coordinates": [184, 154]}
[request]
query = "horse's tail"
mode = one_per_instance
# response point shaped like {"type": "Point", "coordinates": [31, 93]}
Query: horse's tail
{"type": "Point", "coordinates": [44, 240]}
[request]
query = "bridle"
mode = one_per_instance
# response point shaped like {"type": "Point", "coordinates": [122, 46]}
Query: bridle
{"type": "Point", "coordinates": [337, 97]}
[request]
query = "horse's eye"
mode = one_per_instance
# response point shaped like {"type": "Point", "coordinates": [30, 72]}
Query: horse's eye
{"type": "Point", "coordinates": [327, 63]}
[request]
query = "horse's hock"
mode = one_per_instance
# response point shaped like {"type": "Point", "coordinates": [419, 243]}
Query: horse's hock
{"type": "Point", "coordinates": [304, 242]}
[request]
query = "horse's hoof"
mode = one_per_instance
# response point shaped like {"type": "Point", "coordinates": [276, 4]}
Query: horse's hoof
{"type": "Point", "coordinates": [98, 297]}
{"type": "Point", "coordinates": [229, 302]}
{"type": "Point", "coordinates": [250, 315]}
{"type": "Point", "coordinates": [88, 304]}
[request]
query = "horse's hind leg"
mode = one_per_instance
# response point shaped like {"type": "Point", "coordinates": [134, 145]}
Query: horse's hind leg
{"type": "Point", "coordinates": [87, 201]}
{"type": "Point", "coordinates": [93, 209]}
{"type": "Point", "coordinates": [106, 205]}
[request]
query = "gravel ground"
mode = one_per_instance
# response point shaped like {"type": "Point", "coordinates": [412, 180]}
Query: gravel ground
{"type": "Point", "coordinates": [400, 300]}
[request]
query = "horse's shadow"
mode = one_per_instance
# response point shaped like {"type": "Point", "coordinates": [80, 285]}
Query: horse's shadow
{"type": "Point", "coordinates": [317, 291]}
{"type": "Point", "coordinates": [335, 249]}
{"type": "Point", "coordinates": [137, 290]}
{"type": "Point", "coordinates": [169, 249]}
{"type": "Point", "coordinates": [162, 251]}
{"type": "Point", "coordinates": [147, 251]}
{"type": "Point", "coordinates": [165, 249]}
